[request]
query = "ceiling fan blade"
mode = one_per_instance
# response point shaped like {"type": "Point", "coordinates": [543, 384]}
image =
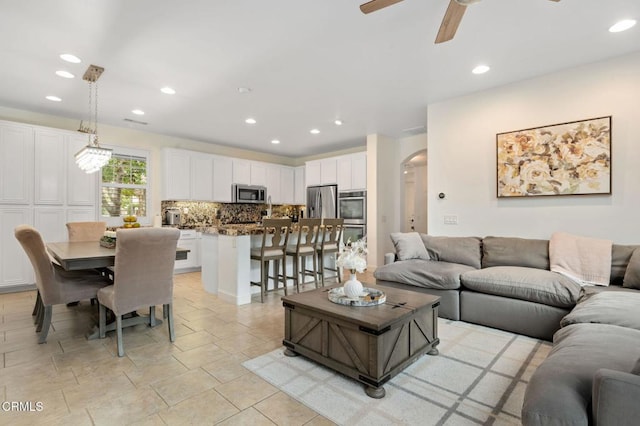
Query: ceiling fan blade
{"type": "Point", "coordinates": [450, 22]}
{"type": "Point", "coordinates": [373, 5]}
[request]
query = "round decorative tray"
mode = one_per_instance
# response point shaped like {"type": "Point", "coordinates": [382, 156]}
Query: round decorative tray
{"type": "Point", "coordinates": [368, 297]}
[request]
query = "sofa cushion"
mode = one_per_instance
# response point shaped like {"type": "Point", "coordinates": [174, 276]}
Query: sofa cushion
{"type": "Point", "coordinates": [620, 258]}
{"type": "Point", "coordinates": [503, 251]}
{"type": "Point", "coordinates": [423, 273]}
{"type": "Point", "coordinates": [607, 307]}
{"type": "Point", "coordinates": [559, 391]}
{"type": "Point", "coordinates": [636, 368]}
{"type": "Point", "coordinates": [465, 250]}
{"type": "Point", "coordinates": [409, 245]}
{"type": "Point", "coordinates": [533, 285]}
{"type": "Point", "coordinates": [632, 274]}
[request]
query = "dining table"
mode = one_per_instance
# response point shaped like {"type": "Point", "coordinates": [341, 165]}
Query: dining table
{"type": "Point", "coordinates": [76, 255]}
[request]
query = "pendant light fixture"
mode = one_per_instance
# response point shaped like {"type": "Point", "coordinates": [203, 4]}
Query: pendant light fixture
{"type": "Point", "coordinates": [92, 157]}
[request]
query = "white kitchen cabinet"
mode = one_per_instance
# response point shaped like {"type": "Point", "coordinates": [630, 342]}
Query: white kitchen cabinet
{"type": "Point", "coordinates": [51, 223]}
{"type": "Point", "coordinates": [258, 174]}
{"type": "Point", "coordinates": [273, 184]}
{"type": "Point", "coordinates": [287, 185]}
{"type": "Point", "coordinates": [81, 187]}
{"type": "Point", "coordinates": [16, 163]}
{"type": "Point", "coordinates": [312, 173]}
{"type": "Point", "coordinates": [201, 177]}
{"type": "Point", "coordinates": [359, 171]}
{"type": "Point", "coordinates": [352, 172]}
{"type": "Point", "coordinates": [190, 240]}
{"type": "Point", "coordinates": [222, 179]}
{"type": "Point", "coordinates": [300, 186]}
{"type": "Point", "coordinates": [177, 174]}
{"type": "Point", "coordinates": [50, 163]}
{"type": "Point", "coordinates": [241, 171]}
{"type": "Point", "coordinates": [81, 214]}
{"type": "Point", "coordinates": [15, 268]}
{"type": "Point", "coordinates": [328, 171]}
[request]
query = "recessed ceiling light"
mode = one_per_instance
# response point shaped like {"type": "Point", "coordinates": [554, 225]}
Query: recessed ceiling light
{"type": "Point", "coordinates": [138, 112]}
{"type": "Point", "coordinates": [338, 122]}
{"type": "Point", "coordinates": [275, 141]}
{"type": "Point", "coordinates": [64, 74]}
{"type": "Point", "coordinates": [168, 91]}
{"type": "Point", "coordinates": [623, 25]}
{"type": "Point", "coordinates": [53, 98]}
{"type": "Point", "coordinates": [314, 131]}
{"type": "Point", "coordinates": [70, 58]}
{"type": "Point", "coordinates": [244, 89]}
{"type": "Point", "coordinates": [480, 69]}
{"type": "Point", "coordinates": [250, 121]}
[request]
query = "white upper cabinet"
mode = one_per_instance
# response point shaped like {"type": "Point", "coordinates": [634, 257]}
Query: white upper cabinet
{"type": "Point", "coordinates": [300, 186]}
{"type": "Point", "coordinates": [258, 173]}
{"type": "Point", "coordinates": [222, 179]}
{"type": "Point", "coordinates": [50, 222]}
{"type": "Point", "coordinates": [201, 177]}
{"type": "Point", "coordinates": [177, 174]}
{"type": "Point", "coordinates": [328, 171]}
{"type": "Point", "coordinates": [50, 163]}
{"type": "Point", "coordinates": [287, 185]}
{"type": "Point", "coordinates": [81, 187]}
{"type": "Point", "coordinates": [312, 173]}
{"type": "Point", "coordinates": [241, 171]}
{"type": "Point", "coordinates": [16, 163]}
{"type": "Point", "coordinates": [273, 184]}
{"type": "Point", "coordinates": [352, 172]}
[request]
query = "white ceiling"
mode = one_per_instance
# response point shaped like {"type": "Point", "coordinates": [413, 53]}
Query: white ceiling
{"type": "Point", "coordinates": [307, 62]}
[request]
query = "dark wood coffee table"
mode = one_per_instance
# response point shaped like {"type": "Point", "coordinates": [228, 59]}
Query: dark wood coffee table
{"type": "Point", "coordinates": [369, 344]}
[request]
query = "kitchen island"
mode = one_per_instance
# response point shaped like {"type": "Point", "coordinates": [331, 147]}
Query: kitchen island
{"type": "Point", "coordinates": [227, 269]}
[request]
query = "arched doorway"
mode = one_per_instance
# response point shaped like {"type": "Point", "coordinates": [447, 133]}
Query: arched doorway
{"type": "Point", "coordinates": [414, 192]}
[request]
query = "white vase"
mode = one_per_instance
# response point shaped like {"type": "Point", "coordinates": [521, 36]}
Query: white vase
{"type": "Point", "coordinates": [353, 287]}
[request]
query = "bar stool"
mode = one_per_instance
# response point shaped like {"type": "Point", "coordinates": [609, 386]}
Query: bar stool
{"type": "Point", "coordinates": [330, 244]}
{"type": "Point", "coordinates": [273, 248]}
{"type": "Point", "coordinates": [305, 246]}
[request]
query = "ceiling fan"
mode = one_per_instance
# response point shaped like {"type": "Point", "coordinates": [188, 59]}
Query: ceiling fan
{"type": "Point", "coordinates": [450, 22]}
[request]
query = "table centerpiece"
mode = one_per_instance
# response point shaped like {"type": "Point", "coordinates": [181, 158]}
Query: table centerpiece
{"type": "Point", "coordinates": [353, 258]}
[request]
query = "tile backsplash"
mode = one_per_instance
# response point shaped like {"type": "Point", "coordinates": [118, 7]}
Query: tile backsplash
{"type": "Point", "coordinates": [196, 214]}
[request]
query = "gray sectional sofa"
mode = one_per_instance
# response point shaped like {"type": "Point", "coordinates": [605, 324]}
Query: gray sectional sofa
{"type": "Point", "coordinates": [592, 375]}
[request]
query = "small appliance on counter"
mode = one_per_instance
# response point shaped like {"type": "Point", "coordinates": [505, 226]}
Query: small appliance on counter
{"type": "Point", "coordinates": [173, 216]}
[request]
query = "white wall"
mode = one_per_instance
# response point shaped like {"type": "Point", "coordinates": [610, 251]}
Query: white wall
{"type": "Point", "coordinates": [462, 155]}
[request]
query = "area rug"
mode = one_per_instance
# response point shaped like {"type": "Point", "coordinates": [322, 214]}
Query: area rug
{"type": "Point", "coordinates": [479, 377]}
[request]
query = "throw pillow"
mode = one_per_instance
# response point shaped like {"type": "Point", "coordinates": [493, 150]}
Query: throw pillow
{"type": "Point", "coordinates": [409, 245]}
{"type": "Point", "coordinates": [632, 274]}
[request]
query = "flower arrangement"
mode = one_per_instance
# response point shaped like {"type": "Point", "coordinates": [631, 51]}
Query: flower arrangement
{"type": "Point", "coordinates": [354, 256]}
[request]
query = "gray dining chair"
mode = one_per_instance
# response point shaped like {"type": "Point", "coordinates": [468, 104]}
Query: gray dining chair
{"type": "Point", "coordinates": [86, 231]}
{"type": "Point", "coordinates": [143, 277]}
{"type": "Point", "coordinates": [55, 285]}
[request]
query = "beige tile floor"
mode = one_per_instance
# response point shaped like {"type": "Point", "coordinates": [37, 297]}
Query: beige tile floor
{"type": "Point", "coordinates": [198, 379]}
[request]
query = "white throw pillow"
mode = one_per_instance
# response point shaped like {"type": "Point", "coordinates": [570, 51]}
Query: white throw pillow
{"type": "Point", "coordinates": [409, 245]}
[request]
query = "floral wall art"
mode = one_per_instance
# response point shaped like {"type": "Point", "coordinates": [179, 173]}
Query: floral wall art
{"type": "Point", "coordinates": [562, 159]}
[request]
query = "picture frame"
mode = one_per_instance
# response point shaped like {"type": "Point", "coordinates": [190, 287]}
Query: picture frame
{"type": "Point", "coordinates": [572, 158]}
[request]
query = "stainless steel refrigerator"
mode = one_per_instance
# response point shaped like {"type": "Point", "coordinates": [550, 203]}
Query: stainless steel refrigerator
{"type": "Point", "coordinates": [322, 201]}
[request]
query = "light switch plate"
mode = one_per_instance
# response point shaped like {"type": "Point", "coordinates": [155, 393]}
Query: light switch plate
{"type": "Point", "coordinates": [450, 219]}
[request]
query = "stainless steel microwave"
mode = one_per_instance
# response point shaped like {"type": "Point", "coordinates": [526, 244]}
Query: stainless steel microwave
{"type": "Point", "coordinates": [249, 194]}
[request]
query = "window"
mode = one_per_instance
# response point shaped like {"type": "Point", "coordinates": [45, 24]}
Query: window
{"type": "Point", "coordinates": [124, 186]}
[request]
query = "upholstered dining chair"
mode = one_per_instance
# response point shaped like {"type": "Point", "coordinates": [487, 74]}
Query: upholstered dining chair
{"type": "Point", "coordinates": [86, 231]}
{"type": "Point", "coordinates": [55, 285]}
{"type": "Point", "coordinates": [329, 244]}
{"type": "Point", "coordinates": [143, 277]}
{"type": "Point", "coordinates": [303, 247]}
{"type": "Point", "coordinates": [274, 243]}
